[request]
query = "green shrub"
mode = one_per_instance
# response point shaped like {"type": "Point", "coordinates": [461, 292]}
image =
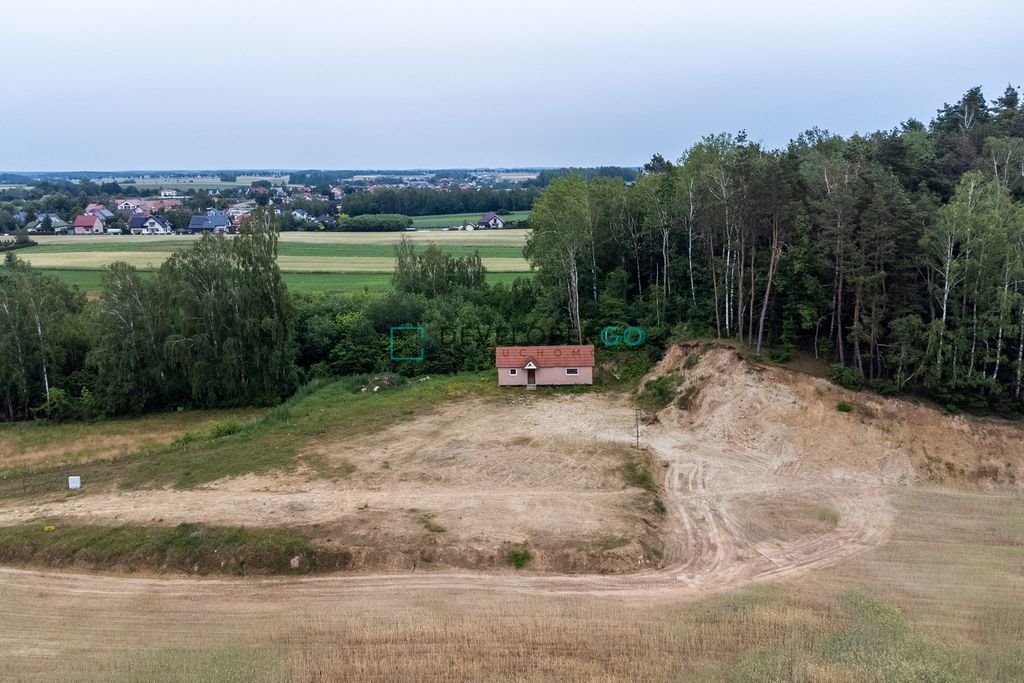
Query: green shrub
{"type": "Point", "coordinates": [222, 428]}
{"type": "Point", "coordinates": [658, 393]}
{"type": "Point", "coordinates": [885, 387]}
{"type": "Point", "coordinates": [844, 407]}
{"type": "Point", "coordinates": [848, 378]}
{"type": "Point", "coordinates": [57, 407]}
{"type": "Point", "coordinates": [685, 399]}
{"type": "Point", "coordinates": [691, 361]}
{"type": "Point", "coordinates": [518, 557]}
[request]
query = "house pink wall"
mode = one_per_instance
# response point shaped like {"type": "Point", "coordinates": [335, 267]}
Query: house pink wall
{"type": "Point", "coordinates": [545, 376]}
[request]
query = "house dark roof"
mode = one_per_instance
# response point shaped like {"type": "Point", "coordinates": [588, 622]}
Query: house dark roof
{"type": "Point", "coordinates": [211, 221]}
{"type": "Point", "coordinates": [139, 221]}
{"type": "Point", "coordinates": [545, 356]}
{"type": "Point", "coordinates": [489, 216]}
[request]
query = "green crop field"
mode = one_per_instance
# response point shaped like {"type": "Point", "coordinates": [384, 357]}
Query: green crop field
{"type": "Point", "coordinates": [88, 281]}
{"type": "Point", "coordinates": [451, 219]}
{"type": "Point", "coordinates": [311, 262]}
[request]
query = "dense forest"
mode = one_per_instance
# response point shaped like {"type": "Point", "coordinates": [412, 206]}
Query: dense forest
{"type": "Point", "coordinates": [899, 254]}
{"type": "Point", "coordinates": [895, 257]}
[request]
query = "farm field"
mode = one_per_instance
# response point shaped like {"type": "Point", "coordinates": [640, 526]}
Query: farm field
{"type": "Point", "coordinates": [448, 220]}
{"type": "Point", "coordinates": [88, 281]}
{"type": "Point", "coordinates": [309, 261]}
{"type": "Point", "coordinates": [205, 183]}
{"type": "Point", "coordinates": [759, 534]}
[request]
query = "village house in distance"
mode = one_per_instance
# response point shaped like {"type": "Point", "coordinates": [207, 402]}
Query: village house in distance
{"type": "Point", "coordinates": [533, 366]}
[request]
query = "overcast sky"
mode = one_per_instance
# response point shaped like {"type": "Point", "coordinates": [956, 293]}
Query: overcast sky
{"type": "Point", "coordinates": [139, 84]}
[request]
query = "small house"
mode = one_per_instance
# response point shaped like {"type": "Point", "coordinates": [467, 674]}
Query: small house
{"type": "Point", "coordinates": [491, 220]}
{"type": "Point", "coordinates": [87, 224]}
{"type": "Point", "coordinates": [100, 211]}
{"type": "Point", "coordinates": [144, 224]}
{"type": "Point", "coordinates": [533, 366]}
{"type": "Point", "coordinates": [129, 206]}
{"type": "Point", "coordinates": [48, 221]}
{"type": "Point", "coordinates": [214, 221]}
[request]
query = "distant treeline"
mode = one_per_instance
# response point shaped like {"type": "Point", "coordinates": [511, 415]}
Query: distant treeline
{"type": "Point", "coordinates": [427, 202]}
{"type": "Point", "coordinates": [345, 176]}
{"type": "Point", "coordinates": [385, 222]}
{"type": "Point", "coordinates": [545, 177]}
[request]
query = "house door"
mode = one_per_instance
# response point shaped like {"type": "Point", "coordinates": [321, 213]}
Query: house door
{"type": "Point", "coordinates": [531, 376]}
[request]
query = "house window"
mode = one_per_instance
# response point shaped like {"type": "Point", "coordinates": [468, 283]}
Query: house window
{"type": "Point", "coordinates": [513, 371]}
{"type": "Point", "coordinates": [572, 371]}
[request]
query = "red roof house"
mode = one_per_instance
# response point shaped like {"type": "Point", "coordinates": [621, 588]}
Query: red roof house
{"type": "Point", "coordinates": [87, 224]}
{"type": "Point", "coordinates": [531, 366]}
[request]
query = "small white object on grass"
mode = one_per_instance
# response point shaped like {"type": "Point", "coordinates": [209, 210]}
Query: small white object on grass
{"type": "Point", "coordinates": [74, 482]}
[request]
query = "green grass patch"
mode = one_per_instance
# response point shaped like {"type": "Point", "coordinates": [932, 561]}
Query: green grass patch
{"type": "Point", "coordinates": [88, 281]}
{"type": "Point", "coordinates": [825, 514]}
{"type": "Point", "coordinates": [518, 557]}
{"type": "Point", "coordinates": [318, 249]}
{"type": "Point", "coordinates": [448, 220]}
{"type": "Point", "coordinates": [863, 638]}
{"type": "Point", "coordinates": [639, 475]}
{"type": "Point", "coordinates": [223, 663]}
{"type": "Point", "coordinates": [844, 407]}
{"type": "Point", "coordinates": [659, 392]}
{"type": "Point", "coordinates": [189, 548]}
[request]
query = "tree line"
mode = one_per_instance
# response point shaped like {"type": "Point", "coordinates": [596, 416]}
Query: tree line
{"type": "Point", "coordinates": [430, 202]}
{"type": "Point", "coordinates": [898, 255]}
{"type": "Point", "coordinates": [212, 326]}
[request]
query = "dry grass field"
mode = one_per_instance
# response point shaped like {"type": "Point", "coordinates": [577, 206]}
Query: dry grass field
{"type": "Point", "coordinates": [27, 445]}
{"type": "Point", "coordinates": [758, 534]}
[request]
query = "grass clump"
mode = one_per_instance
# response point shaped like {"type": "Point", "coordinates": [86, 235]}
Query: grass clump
{"type": "Point", "coordinates": [685, 399]}
{"type": "Point", "coordinates": [691, 361]}
{"type": "Point", "coordinates": [825, 514]}
{"type": "Point", "coordinates": [638, 475]}
{"type": "Point", "coordinates": [222, 428]}
{"type": "Point", "coordinates": [427, 520]}
{"type": "Point", "coordinates": [844, 407]}
{"type": "Point", "coordinates": [518, 557]}
{"type": "Point", "coordinates": [190, 548]}
{"type": "Point", "coordinates": [658, 393]}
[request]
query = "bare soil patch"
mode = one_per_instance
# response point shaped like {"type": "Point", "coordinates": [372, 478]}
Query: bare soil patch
{"type": "Point", "coordinates": [456, 488]}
